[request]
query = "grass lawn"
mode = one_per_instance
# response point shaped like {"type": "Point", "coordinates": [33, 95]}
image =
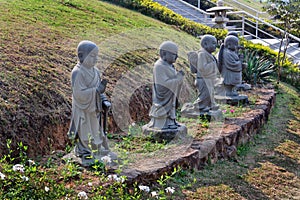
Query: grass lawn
{"type": "Point", "coordinates": [38, 51]}
{"type": "Point", "coordinates": [267, 168]}
{"type": "Point", "coordinates": [38, 40]}
{"type": "Point", "coordinates": [254, 7]}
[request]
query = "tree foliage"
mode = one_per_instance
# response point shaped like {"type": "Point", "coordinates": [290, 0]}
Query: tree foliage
{"type": "Point", "coordinates": [286, 11]}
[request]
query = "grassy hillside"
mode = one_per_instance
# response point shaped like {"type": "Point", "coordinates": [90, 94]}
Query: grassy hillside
{"type": "Point", "coordinates": [38, 51]}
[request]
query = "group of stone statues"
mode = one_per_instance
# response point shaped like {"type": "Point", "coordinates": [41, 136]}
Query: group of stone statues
{"type": "Point", "coordinates": [90, 106]}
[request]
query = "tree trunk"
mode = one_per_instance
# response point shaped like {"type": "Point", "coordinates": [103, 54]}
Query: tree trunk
{"type": "Point", "coordinates": [280, 62]}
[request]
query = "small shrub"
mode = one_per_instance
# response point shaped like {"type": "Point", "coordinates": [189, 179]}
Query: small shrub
{"type": "Point", "coordinates": [157, 11]}
{"type": "Point", "coordinates": [258, 70]}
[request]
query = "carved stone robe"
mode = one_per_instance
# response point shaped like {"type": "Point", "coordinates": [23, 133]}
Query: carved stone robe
{"type": "Point", "coordinates": [86, 105]}
{"type": "Point", "coordinates": [207, 70]}
{"type": "Point", "coordinates": [166, 88]}
{"type": "Point", "coordinates": [231, 68]}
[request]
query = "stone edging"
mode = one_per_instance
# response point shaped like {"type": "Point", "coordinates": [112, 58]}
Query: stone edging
{"type": "Point", "coordinates": [210, 148]}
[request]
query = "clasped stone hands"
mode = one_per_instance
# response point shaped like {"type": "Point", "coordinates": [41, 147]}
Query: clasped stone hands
{"type": "Point", "coordinates": [102, 86]}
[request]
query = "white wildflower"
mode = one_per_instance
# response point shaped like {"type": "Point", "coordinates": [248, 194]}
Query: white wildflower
{"type": "Point", "coordinates": [170, 190]}
{"type": "Point", "coordinates": [90, 184]}
{"type": "Point", "coordinates": [144, 188]}
{"type": "Point", "coordinates": [47, 189]}
{"type": "Point", "coordinates": [2, 176]}
{"type": "Point", "coordinates": [120, 179]}
{"type": "Point", "coordinates": [18, 167]}
{"type": "Point", "coordinates": [82, 195]}
{"type": "Point", "coordinates": [114, 177]}
{"type": "Point", "coordinates": [31, 162]}
{"type": "Point", "coordinates": [25, 178]}
{"type": "Point", "coordinates": [106, 159]}
{"type": "Point", "coordinates": [154, 194]}
{"type": "Point", "coordinates": [133, 124]}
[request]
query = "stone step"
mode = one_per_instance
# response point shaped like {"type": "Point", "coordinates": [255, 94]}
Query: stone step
{"type": "Point", "coordinates": [248, 37]}
{"type": "Point", "coordinates": [291, 48]}
{"type": "Point", "coordinates": [191, 11]}
{"type": "Point", "coordinates": [186, 11]}
{"type": "Point", "coordinates": [295, 55]}
{"type": "Point", "coordinates": [230, 28]}
{"type": "Point", "coordinates": [267, 42]}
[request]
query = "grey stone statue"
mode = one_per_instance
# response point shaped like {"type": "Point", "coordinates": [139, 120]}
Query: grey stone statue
{"type": "Point", "coordinates": [166, 88]}
{"type": "Point", "coordinates": [89, 105]}
{"type": "Point", "coordinates": [230, 65]}
{"type": "Point", "coordinates": [204, 64]}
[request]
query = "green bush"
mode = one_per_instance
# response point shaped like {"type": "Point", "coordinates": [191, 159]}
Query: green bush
{"type": "Point", "coordinates": [258, 70]}
{"type": "Point", "coordinates": [291, 74]}
{"type": "Point", "coordinates": [155, 10]}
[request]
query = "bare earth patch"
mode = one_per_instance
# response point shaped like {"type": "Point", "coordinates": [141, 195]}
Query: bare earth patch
{"type": "Point", "coordinates": [275, 182]}
{"type": "Point", "coordinates": [214, 192]}
{"type": "Point", "coordinates": [290, 149]}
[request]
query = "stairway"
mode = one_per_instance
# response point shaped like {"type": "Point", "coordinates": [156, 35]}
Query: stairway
{"type": "Point", "coordinates": [186, 10]}
{"type": "Point", "coordinates": [197, 15]}
{"type": "Point", "coordinates": [293, 49]}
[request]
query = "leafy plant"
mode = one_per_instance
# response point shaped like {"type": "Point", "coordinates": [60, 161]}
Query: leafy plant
{"type": "Point", "coordinates": [287, 12]}
{"type": "Point", "coordinates": [162, 13]}
{"type": "Point", "coordinates": [258, 68]}
{"type": "Point", "coordinates": [233, 111]}
{"type": "Point", "coordinates": [137, 142]}
{"type": "Point", "coordinates": [70, 171]}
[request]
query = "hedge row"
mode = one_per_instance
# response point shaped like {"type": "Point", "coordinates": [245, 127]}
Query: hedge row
{"type": "Point", "coordinates": [290, 72]}
{"type": "Point", "coordinates": [157, 11]}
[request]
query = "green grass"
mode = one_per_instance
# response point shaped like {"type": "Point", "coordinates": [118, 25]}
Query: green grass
{"type": "Point", "coordinates": [37, 44]}
{"type": "Point", "coordinates": [38, 51]}
{"type": "Point", "coordinates": [86, 18]}
{"type": "Point", "coordinates": [268, 162]}
{"type": "Point", "coordinates": [255, 7]}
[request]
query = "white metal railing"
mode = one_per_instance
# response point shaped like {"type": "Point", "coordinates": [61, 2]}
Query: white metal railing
{"type": "Point", "coordinates": [257, 20]}
{"type": "Point", "coordinates": [257, 13]}
{"type": "Point", "coordinates": [248, 20]}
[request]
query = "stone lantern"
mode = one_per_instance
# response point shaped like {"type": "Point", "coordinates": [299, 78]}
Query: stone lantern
{"type": "Point", "coordinates": [220, 14]}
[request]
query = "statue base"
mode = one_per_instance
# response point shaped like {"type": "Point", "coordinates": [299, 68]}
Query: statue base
{"type": "Point", "coordinates": [161, 135]}
{"type": "Point", "coordinates": [243, 87]}
{"type": "Point", "coordinates": [190, 111]}
{"type": "Point", "coordinates": [232, 100]}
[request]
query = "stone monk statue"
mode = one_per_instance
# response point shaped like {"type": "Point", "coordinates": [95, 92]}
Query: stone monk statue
{"type": "Point", "coordinates": [88, 102]}
{"type": "Point", "coordinates": [230, 65]}
{"type": "Point", "coordinates": [204, 64]}
{"type": "Point", "coordinates": [166, 87]}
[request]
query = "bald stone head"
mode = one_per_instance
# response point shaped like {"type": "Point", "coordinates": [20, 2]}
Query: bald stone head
{"type": "Point", "coordinates": [231, 42]}
{"type": "Point", "coordinates": [168, 51]}
{"type": "Point", "coordinates": [209, 43]}
{"type": "Point", "coordinates": [87, 53]}
{"type": "Point", "coordinates": [169, 46]}
{"type": "Point", "coordinates": [233, 33]}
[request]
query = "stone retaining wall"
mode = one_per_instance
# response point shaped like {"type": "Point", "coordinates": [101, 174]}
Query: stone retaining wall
{"type": "Point", "coordinates": [210, 148]}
